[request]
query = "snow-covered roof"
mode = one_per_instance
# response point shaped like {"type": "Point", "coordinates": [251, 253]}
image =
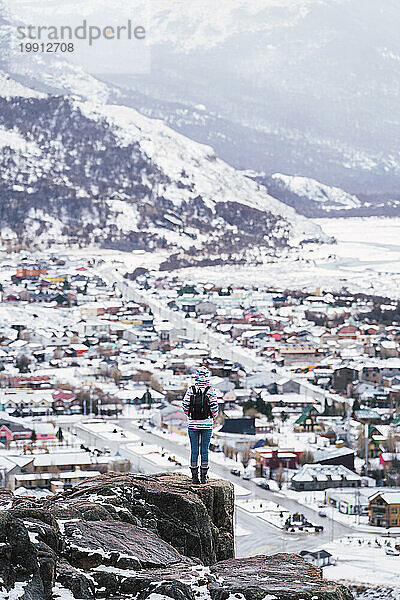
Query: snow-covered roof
{"type": "Point", "coordinates": [389, 497]}
{"type": "Point", "coordinates": [312, 472]}
{"type": "Point", "coordinates": [64, 458]}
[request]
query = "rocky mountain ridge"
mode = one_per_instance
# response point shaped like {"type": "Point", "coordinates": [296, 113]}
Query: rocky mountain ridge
{"type": "Point", "coordinates": [143, 537]}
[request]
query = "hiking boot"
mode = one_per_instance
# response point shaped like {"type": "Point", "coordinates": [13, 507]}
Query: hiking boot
{"type": "Point", "coordinates": [195, 474]}
{"type": "Point", "coordinates": [203, 475]}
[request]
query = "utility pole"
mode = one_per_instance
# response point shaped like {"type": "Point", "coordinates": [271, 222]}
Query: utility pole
{"type": "Point", "coordinates": [358, 506]}
{"type": "Point", "coordinates": [348, 415]}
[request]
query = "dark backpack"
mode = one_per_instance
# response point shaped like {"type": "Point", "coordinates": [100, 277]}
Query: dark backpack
{"type": "Point", "coordinates": [199, 407]}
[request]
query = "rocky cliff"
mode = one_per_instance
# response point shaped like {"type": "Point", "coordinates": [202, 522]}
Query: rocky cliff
{"type": "Point", "coordinates": [149, 537]}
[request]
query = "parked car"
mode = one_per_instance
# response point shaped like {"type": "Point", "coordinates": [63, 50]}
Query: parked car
{"type": "Point", "coordinates": [263, 484]}
{"type": "Point", "coordinates": [322, 513]}
{"type": "Point", "coordinates": [235, 472]}
{"type": "Point", "coordinates": [392, 552]}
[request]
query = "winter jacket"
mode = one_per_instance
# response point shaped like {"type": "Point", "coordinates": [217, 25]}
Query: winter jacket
{"type": "Point", "coordinates": [201, 381]}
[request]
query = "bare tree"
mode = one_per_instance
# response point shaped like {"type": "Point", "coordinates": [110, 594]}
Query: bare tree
{"type": "Point", "coordinates": [24, 296]}
{"type": "Point", "coordinates": [225, 450]}
{"type": "Point", "coordinates": [155, 384]}
{"type": "Point", "coordinates": [245, 457]}
{"type": "Point", "coordinates": [250, 412]}
{"type": "Point", "coordinates": [361, 442]}
{"type": "Point", "coordinates": [393, 472]}
{"type": "Point", "coordinates": [280, 477]}
{"type": "Point", "coordinates": [58, 353]}
{"type": "Point", "coordinates": [120, 466]}
{"type": "Point", "coordinates": [117, 376]}
{"type": "Point", "coordinates": [306, 458]}
{"type": "Point", "coordinates": [54, 470]}
{"type": "Point", "coordinates": [391, 443]}
{"type": "Point", "coordinates": [105, 351]}
{"type": "Point", "coordinates": [22, 363]}
{"type": "Point", "coordinates": [66, 386]}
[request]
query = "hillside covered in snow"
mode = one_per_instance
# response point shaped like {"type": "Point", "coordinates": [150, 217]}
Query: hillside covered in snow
{"type": "Point", "coordinates": [74, 169]}
{"type": "Point", "coordinates": [314, 199]}
{"type": "Point", "coordinates": [306, 87]}
{"type": "Point", "coordinates": [302, 87]}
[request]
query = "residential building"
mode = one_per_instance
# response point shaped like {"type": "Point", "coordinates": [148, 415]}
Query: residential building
{"type": "Point", "coordinates": [12, 431]}
{"type": "Point", "coordinates": [270, 458]}
{"type": "Point", "coordinates": [241, 426]}
{"type": "Point", "coordinates": [343, 377]}
{"type": "Point", "coordinates": [384, 509]}
{"type": "Point", "coordinates": [293, 402]}
{"type": "Point", "coordinates": [320, 477]}
{"type": "Point", "coordinates": [308, 420]}
{"type": "Point", "coordinates": [333, 455]}
{"type": "Point", "coordinates": [170, 416]}
{"type": "Point", "coordinates": [26, 401]}
{"type": "Point", "coordinates": [319, 558]}
{"type": "Point", "coordinates": [298, 354]}
{"type": "Point", "coordinates": [68, 467]}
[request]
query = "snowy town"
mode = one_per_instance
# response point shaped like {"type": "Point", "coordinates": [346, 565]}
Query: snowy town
{"type": "Point", "coordinates": [199, 300]}
{"type": "Point", "coordinates": [95, 360]}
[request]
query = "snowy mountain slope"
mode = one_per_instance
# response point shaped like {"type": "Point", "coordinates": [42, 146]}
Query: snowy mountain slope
{"type": "Point", "coordinates": [10, 88]}
{"type": "Point", "coordinates": [74, 168]}
{"type": "Point", "coordinates": [298, 86]}
{"type": "Point", "coordinates": [316, 80]}
{"type": "Point", "coordinates": [86, 172]}
{"type": "Point", "coordinates": [204, 173]}
{"type": "Point", "coordinates": [37, 78]}
{"type": "Point", "coordinates": [315, 199]}
{"type": "Point", "coordinates": [327, 198]}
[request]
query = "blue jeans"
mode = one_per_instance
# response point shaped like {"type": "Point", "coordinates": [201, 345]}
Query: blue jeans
{"type": "Point", "coordinates": [199, 440]}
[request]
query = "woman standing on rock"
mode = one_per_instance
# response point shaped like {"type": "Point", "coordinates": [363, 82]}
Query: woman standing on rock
{"type": "Point", "coordinates": [201, 407]}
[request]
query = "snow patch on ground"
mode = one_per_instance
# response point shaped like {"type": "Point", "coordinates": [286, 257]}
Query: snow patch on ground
{"type": "Point", "coordinates": [10, 88]}
{"type": "Point", "coordinates": [61, 593]}
{"type": "Point", "coordinates": [14, 140]}
{"type": "Point", "coordinates": [365, 259]}
{"type": "Point", "coordinates": [17, 591]}
{"type": "Point", "coordinates": [362, 560]}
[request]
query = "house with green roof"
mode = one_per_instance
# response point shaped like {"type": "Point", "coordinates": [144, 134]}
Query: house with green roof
{"type": "Point", "coordinates": [307, 421]}
{"type": "Point", "coordinates": [396, 421]}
